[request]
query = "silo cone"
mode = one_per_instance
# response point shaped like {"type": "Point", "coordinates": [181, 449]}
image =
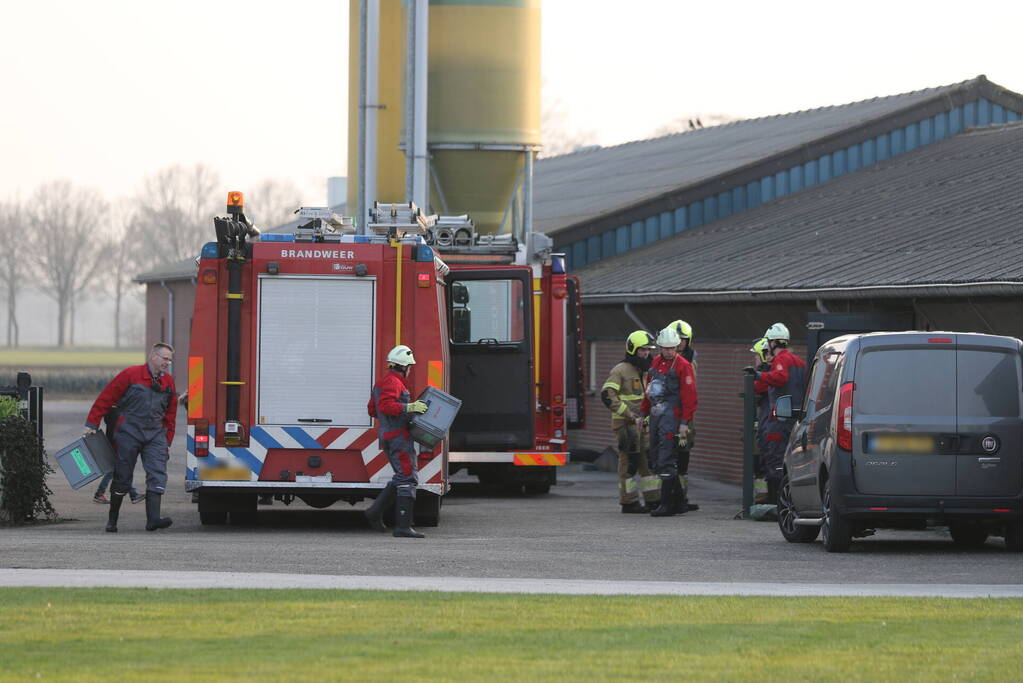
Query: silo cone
{"type": "Point", "coordinates": [484, 89]}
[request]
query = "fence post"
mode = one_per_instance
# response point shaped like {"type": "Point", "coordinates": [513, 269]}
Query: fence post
{"type": "Point", "coordinates": [748, 418]}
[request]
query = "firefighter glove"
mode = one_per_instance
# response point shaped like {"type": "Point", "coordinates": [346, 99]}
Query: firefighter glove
{"type": "Point", "coordinates": [416, 407]}
{"type": "Point", "coordinates": [89, 431]}
{"type": "Point", "coordinates": [749, 370]}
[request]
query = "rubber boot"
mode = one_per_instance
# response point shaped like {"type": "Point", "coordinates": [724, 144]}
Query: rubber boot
{"type": "Point", "coordinates": [375, 512]}
{"type": "Point", "coordinates": [115, 509]}
{"type": "Point", "coordinates": [685, 505]}
{"type": "Point", "coordinates": [679, 497]}
{"type": "Point", "coordinates": [635, 507]}
{"type": "Point", "coordinates": [772, 491]}
{"type": "Point", "coordinates": [403, 519]}
{"type": "Point", "coordinates": [153, 519]}
{"type": "Point", "coordinates": [667, 507]}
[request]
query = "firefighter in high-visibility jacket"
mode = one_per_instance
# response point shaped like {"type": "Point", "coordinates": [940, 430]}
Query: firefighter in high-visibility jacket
{"type": "Point", "coordinates": [392, 405]}
{"type": "Point", "coordinates": [622, 393]}
{"type": "Point", "coordinates": [785, 378]}
{"type": "Point", "coordinates": [670, 402]}
{"type": "Point", "coordinates": [683, 448]}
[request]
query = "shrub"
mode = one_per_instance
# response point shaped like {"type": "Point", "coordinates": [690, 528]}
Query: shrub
{"type": "Point", "coordinates": [24, 496]}
{"type": "Point", "coordinates": [8, 407]}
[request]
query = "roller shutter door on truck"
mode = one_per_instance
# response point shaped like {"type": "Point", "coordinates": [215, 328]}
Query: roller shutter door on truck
{"type": "Point", "coordinates": [316, 340]}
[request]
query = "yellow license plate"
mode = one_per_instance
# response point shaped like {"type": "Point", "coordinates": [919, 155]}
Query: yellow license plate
{"type": "Point", "coordinates": [225, 473]}
{"type": "Point", "coordinates": [901, 443]}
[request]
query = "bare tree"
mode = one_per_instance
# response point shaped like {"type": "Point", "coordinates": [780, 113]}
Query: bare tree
{"type": "Point", "coordinates": [557, 134]}
{"type": "Point", "coordinates": [273, 202]}
{"type": "Point", "coordinates": [175, 208]}
{"type": "Point", "coordinates": [122, 260]}
{"type": "Point", "coordinates": [688, 122]}
{"type": "Point", "coordinates": [13, 269]}
{"type": "Point", "coordinates": [65, 245]}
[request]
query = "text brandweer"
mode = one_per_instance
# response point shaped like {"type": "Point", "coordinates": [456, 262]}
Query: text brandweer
{"type": "Point", "coordinates": [316, 253]}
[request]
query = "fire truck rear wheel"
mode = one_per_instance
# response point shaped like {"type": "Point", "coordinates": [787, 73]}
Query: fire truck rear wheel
{"type": "Point", "coordinates": [212, 510]}
{"type": "Point", "coordinates": [427, 510]}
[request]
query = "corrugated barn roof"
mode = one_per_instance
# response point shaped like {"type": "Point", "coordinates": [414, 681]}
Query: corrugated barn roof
{"type": "Point", "coordinates": [575, 188]}
{"type": "Point", "coordinates": [947, 215]}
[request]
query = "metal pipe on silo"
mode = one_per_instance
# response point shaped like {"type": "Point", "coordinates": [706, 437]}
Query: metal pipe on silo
{"type": "Point", "coordinates": [416, 68]}
{"type": "Point", "coordinates": [369, 37]}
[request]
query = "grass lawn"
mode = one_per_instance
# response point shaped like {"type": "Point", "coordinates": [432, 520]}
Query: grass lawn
{"type": "Point", "coordinates": [33, 358]}
{"type": "Point", "coordinates": [112, 634]}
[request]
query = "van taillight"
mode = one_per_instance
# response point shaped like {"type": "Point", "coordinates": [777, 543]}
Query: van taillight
{"type": "Point", "coordinates": [202, 438]}
{"type": "Point", "coordinates": [845, 407]}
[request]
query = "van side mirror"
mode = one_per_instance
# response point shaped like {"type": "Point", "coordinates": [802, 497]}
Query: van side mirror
{"type": "Point", "coordinates": [783, 408]}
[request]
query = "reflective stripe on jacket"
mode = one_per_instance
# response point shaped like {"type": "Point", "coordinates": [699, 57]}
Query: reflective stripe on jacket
{"type": "Point", "coordinates": [624, 387]}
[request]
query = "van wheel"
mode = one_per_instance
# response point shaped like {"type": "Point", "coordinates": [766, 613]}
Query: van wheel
{"type": "Point", "coordinates": [835, 531]}
{"type": "Point", "coordinates": [968, 535]}
{"type": "Point", "coordinates": [787, 518]}
{"type": "Point", "coordinates": [1014, 537]}
{"type": "Point", "coordinates": [427, 509]}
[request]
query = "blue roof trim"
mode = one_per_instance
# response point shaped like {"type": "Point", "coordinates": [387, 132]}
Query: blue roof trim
{"type": "Point", "coordinates": [978, 113]}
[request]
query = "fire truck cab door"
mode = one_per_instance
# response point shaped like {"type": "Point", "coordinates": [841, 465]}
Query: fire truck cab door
{"type": "Point", "coordinates": [490, 327]}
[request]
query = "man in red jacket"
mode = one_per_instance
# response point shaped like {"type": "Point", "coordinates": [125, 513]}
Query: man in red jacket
{"type": "Point", "coordinates": [670, 402]}
{"type": "Point", "coordinates": [391, 404]}
{"type": "Point", "coordinates": [147, 400]}
{"type": "Point", "coordinates": [786, 377]}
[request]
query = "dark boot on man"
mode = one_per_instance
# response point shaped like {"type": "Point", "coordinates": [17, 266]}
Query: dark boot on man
{"type": "Point", "coordinates": [115, 509]}
{"type": "Point", "coordinates": [667, 508]}
{"type": "Point", "coordinates": [375, 512]}
{"type": "Point", "coordinates": [403, 519]}
{"type": "Point", "coordinates": [635, 507]}
{"type": "Point", "coordinates": [153, 519]}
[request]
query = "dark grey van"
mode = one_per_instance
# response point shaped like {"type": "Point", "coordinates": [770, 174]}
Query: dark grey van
{"type": "Point", "coordinates": [907, 430]}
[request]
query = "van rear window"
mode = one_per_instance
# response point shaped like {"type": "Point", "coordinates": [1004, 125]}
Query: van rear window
{"type": "Point", "coordinates": [906, 382]}
{"type": "Point", "coordinates": [988, 384]}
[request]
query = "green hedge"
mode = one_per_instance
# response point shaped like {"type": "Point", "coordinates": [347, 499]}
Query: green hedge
{"type": "Point", "coordinates": [64, 382]}
{"type": "Point", "coordinates": [23, 469]}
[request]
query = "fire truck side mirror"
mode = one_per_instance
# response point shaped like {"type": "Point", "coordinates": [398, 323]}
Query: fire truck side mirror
{"type": "Point", "coordinates": [461, 325]}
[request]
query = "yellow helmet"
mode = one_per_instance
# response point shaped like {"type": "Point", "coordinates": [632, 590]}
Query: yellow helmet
{"type": "Point", "coordinates": [638, 340]}
{"type": "Point", "coordinates": [683, 329]}
{"type": "Point", "coordinates": [760, 348]}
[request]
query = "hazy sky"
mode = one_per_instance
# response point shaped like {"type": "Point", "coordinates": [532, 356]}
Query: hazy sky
{"type": "Point", "coordinates": [103, 92]}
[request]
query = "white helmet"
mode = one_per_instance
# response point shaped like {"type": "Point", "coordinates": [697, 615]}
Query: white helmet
{"type": "Point", "coordinates": [668, 338]}
{"type": "Point", "coordinates": [777, 331]}
{"type": "Point", "coordinates": [401, 355]}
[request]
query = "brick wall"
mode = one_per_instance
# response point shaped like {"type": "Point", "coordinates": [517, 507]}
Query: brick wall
{"type": "Point", "coordinates": [718, 450]}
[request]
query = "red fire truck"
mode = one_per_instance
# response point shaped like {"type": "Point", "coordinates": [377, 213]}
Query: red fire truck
{"type": "Point", "coordinates": [290, 331]}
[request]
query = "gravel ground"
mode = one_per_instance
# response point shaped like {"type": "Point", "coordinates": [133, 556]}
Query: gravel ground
{"type": "Point", "coordinates": [575, 533]}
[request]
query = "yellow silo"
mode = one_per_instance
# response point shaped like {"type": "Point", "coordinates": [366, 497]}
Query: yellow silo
{"type": "Point", "coordinates": [484, 92]}
{"type": "Point", "coordinates": [483, 103]}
